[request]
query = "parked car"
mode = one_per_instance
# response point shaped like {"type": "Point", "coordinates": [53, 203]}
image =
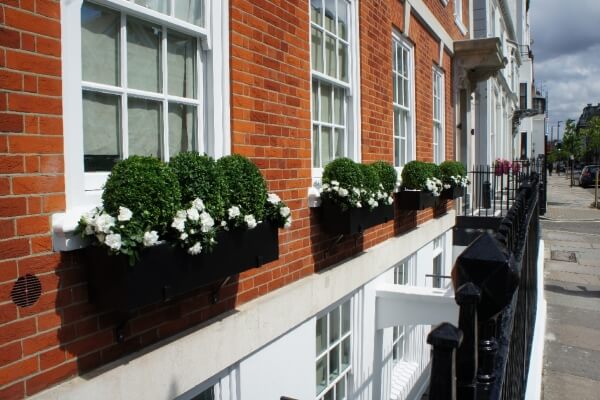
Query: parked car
{"type": "Point", "coordinates": [588, 175]}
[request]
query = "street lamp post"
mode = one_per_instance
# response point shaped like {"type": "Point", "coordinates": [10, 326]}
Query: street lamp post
{"type": "Point", "coordinates": [572, 160]}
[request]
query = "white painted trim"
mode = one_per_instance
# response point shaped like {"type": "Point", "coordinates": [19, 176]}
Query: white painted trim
{"type": "Point", "coordinates": [431, 21]}
{"type": "Point", "coordinates": [407, 10]}
{"type": "Point", "coordinates": [181, 362]}
{"type": "Point", "coordinates": [414, 305]}
{"type": "Point", "coordinates": [533, 390]}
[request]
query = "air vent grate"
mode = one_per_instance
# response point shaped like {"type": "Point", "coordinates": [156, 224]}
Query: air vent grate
{"type": "Point", "coordinates": [26, 291]}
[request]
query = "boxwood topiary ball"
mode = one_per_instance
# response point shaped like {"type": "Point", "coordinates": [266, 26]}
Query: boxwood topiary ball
{"type": "Point", "coordinates": [147, 187]}
{"type": "Point", "coordinates": [415, 174]}
{"type": "Point", "coordinates": [387, 175]}
{"type": "Point", "coordinates": [345, 171]}
{"type": "Point", "coordinates": [199, 177]}
{"type": "Point", "coordinates": [451, 168]}
{"type": "Point", "coordinates": [370, 178]}
{"type": "Point", "coordinates": [245, 187]}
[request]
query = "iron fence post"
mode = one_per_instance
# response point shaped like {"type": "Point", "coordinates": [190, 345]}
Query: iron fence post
{"type": "Point", "coordinates": [445, 339]}
{"type": "Point", "coordinates": [467, 297]}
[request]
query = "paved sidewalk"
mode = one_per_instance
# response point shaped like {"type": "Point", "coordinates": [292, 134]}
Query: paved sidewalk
{"type": "Point", "coordinates": [572, 287]}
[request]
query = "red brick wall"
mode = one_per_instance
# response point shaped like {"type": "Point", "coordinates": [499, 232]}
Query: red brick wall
{"type": "Point", "coordinates": [63, 335]}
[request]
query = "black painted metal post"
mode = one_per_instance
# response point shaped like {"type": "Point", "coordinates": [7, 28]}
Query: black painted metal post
{"type": "Point", "coordinates": [467, 297]}
{"type": "Point", "coordinates": [488, 347]}
{"type": "Point", "coordinates": [445, 339]}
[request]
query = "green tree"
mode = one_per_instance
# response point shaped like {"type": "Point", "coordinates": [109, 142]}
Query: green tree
{"type": "Point", "coordinates": [592, 138]}
{"type": "Point", "coordinates": [572, 141]}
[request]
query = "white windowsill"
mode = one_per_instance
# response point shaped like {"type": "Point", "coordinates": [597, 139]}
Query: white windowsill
{"type": "Point", "coordinates": [64, 225]}
{"type": "Point", "coordinates": [461, 26]}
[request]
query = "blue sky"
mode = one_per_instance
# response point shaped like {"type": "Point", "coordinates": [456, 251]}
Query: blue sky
{"type": "Point", "coordinates": [566, 48]}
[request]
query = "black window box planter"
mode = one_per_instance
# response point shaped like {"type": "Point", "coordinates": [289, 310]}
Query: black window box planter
{"type": "Point", "coordinates": [354, 220]}
{"type": "Point", "coordinates": [453, 193]}
{"type": "Point", "coordinates": [165, 271]}
{"type": "Point", "coordinates": [415, 200]}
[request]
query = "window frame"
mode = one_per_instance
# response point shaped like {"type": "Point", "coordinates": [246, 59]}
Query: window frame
{"type": "Point", "coordinates": [438, 146]}
{"type": "Point", "coordinates": [213, 113]}
{"type": "Point", "coordinates": [343, 373]}
{"type": "Point", "coordinates": [399, 332]}
{"type": "Point", "coordinates": [410, 137]}
{"type": "Point", "coordinates": [352, 90]}
{"type": "Point", "coordinates": [438, 252]}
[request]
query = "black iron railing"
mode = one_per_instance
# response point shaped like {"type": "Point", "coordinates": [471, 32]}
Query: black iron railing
{"type": "Point", "coordinates": [496, 289]}
{"type": "Point", "coordinates": [493, 188]}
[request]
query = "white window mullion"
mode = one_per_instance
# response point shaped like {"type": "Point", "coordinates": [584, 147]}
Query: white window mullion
{"type": "Point", "coordinates": [123, 77]}
{"type": "Point", "coordinates": [203, 143]}
{"type": "Point", "coordinates": [165, 91]}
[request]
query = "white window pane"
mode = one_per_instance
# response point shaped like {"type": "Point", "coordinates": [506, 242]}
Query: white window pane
{"type": "Point", "coordinates": [339, 97]}
{"type": "Point", "coordinates": [340, 389]}
{"type": "Point", "coordinates": [326, 93]}
{"type": "Point", "coordinates": [346, 353]}
{"type": "Point", "coordinates": [342, 10]}
{"type": "Point", "coordinates": [316, 141]}
{"type": "Point", "coordinates": [334, 363]}
{"type": "Point", "coordinates": [157, 5]}
{"type": "Point", "coordinates": [99, 44]}
{"type": "Point", "coordinates": [330, 15]}
{"type": "Point", "coordinates": [325, 145]}
{"type": "Point", "coordinates": [321, 334]}
{"type": "Point", "coordinates": [315, 101]}
{"type": "Point", "coordinates": [404, 62]}
{"type": "Point", "coordinates": [395, 82]}
{"type": "Point", "coordinates": [397, 158]}
{"type": "Point", "coordinates": [181, 56]}
{"type": "Point", "coordinates": [334, 325]}
{"type": "Point", "coordinates": [330, 57]}
{"type": "Point", "coordinates": [316, 11]}
{"type": "Point", "coordinates": [402, 157]}
{"type": "Point", "coordinates": [340, 143]}
{"type": "Point", "coordinates": [143, 56]}
{"type": "Point", "coordinates": [321, 373]}
{"type": "Point", "coordinates": [182, 128]}
{"type": "Point", "coordinates": [191, 11]}
{"type": "Point", "coordinates": [398, 60]}
{"type": "Point", "coordinates": [343, 61]}
{"type": "Point", "coordinates": [101, 131]}
{"type": "Point", "coordinates": [316, 52]}
{"type": "Point", "coordinates": [145, 127]}
{"type": "Point", "coordinates": [437, 270]}
{"type": "Point", "coordinates": [405, 94]}
{"type": "Point", "coordinates": [346, 317]}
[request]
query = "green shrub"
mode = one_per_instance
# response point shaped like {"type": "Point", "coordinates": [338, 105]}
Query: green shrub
{"type": "Point", "coordinates": [245, 187]}
{"type": "Point", "coordinates": [371, 179]}
{"type": "Point", "coordinates": [387, 175]}
{"type": "Point", "coordinates": [342, 183]}
{"type": "Point", "coordinates": [451, 168]}
{"type": "Point", "coordinates": [415, 174]}
{"type": "Point", "coordinates": [345, 171]}
{"type": "Point", "coordinates": [199, 177]}
{"type": "Point", "coordinates": [147, 187]}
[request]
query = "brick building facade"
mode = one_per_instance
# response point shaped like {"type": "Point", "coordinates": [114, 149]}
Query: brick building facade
{"type": "Point", "coordinates": [267, 117]}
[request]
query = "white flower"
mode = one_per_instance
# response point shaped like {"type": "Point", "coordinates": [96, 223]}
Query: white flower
{"type": "Point", "coordinates": [284, 211]}
{"type": "Point", "coordinates": [183, 236]}
{"type": "Point", "coordinates": [207, 222]}
{"type": "Point", "coordinates": [195, 249]}
{"type": "Point", "coordinates": [343, 192]}
{"type": "Point", "coordinates": [288, 223]}
{"type": "Point", "coordinates": [113, 241]}
{"type": "Point", "coordinates": [89, 218]}
{"type": "Point", "coordinates": [358, 205]}
{"type": "Point", "coordinates": [356, 191]}
{"type": "Point", "coordinates": [125, 214]}
{"type": "Point", "coordinates": [193, 214]}
{"type": "Point", "coordinates": [335, 183]}
{"type": "Point", "coordinates": [223, 224]}
{"type": "Point", "coordinates": [250, 221]}
{"type": "Point", "coordinates": [198, 204]}
{"type": "Point", "coordinates": [89, 230]}
{"type": "Point", "coordinates": [274, 199]}
{"type": "Point", "coordinates": [179, 224]}
{"type": "Point", "coordinates": [325, 186]}
{"type": "Point", "coordinates": [390, 200]}
{"type": "Point", "coordinates": [447, 186]}
{"type": "Point", "coordinates": [104, 222]}
{"type": "Point", "coordinates": [233, 212]}
{"type": "Point", "coordinates": [373, 203]}
{"type": "Point", "coordinates": [181, 214]}
{"type": "Point", "coordinates": [100, 237]}
{"type": "Point", "coordinates": [150, 238]}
